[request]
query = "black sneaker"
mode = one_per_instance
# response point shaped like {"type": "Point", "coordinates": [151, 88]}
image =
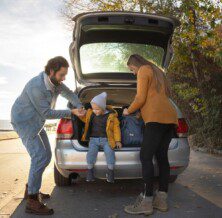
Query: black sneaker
{"type": "Point", "coordinates": [90, 175]}
{"type": "Point", "coordinates": [110, 176]}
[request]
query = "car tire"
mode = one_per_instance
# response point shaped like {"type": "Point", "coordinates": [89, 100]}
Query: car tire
{"type": "Point", "coordinates": [60, 180]}
{"type": "Point", "coordinates": [172, 178]}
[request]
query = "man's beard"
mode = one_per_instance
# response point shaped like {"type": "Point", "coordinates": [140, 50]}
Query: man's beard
{"type": "Point", "coordinates": [54, 81]}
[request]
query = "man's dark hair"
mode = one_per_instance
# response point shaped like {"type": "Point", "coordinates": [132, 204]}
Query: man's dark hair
{"type": "Point", "coordinates": [55, 64]}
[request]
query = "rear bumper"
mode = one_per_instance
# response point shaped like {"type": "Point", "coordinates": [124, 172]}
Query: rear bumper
{"type": "Point", "coordinates": [71, 158]}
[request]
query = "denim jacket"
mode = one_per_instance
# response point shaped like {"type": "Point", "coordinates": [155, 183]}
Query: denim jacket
{"type": "Point", "coordinates": [33, 106]}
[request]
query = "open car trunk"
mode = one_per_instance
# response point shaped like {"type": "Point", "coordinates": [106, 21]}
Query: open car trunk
{"type": "Point", "coordinates": [118, 98]}
{"type": "Point", "coordinates": [103, 41]}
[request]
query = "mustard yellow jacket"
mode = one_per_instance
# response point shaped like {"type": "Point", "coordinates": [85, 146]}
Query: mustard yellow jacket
{"type": "Point", "coordinates": [112, 128]}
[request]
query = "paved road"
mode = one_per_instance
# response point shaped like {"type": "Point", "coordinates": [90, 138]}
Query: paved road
{"type": "Point", "coordinates": [196, 193]}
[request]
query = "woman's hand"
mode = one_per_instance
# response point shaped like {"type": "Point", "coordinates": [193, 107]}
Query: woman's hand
{"type": "Point", "coordinates": [125, 112]}
{"type": "Point", "coordinates": [79, 112]}
{"type": "Point", "coordinates": [138, 115]}
{"type": "Point", "coordinates": [119, 145]}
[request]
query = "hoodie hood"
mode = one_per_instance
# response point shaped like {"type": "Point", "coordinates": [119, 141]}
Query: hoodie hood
{"type": "Point", "coordinates": [111, 110]}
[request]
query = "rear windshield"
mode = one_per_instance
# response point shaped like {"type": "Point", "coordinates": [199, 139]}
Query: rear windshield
{"type": "Point", "coordinates": [112, 57]}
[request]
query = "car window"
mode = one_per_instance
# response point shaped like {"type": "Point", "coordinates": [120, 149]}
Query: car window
{"type": "Point", "coordinates": [112, 57]}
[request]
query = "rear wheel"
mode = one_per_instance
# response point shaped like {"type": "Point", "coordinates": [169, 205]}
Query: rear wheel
{"type": "Point", "coordinates": [60, 180]}
{"type": "Point", "coordinates": [172, 178]}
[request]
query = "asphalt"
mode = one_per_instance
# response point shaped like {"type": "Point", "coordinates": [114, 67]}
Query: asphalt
{"type": "Point", "coordinates": [196, 193]}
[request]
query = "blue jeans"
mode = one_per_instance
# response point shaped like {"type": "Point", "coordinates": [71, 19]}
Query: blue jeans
{"type": "Point", "coordinates": [39, 150]}
{"type": "Point", "coordinates": [94, 145]}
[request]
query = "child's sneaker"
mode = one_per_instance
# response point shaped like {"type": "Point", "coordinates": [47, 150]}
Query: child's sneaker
{"type": "Point", "coordinates": [110, 176]}
{"type": "Point", "coordinates": [90, 175]}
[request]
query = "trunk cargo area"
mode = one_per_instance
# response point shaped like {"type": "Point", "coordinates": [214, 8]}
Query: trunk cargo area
{"type": "Point", "coordinates": [117, 97]}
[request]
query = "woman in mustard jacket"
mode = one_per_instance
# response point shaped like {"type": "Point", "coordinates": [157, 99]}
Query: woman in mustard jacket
{"type": "Point", "coordinates": [160, 118]}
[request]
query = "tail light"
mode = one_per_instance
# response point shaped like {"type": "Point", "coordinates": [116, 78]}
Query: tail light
{"type": "Point", "coordinates": [182, 128]}
{"type": "Point", "coordinates": [175, 167]}
{"type": "Point", "coordinates": [64, 129]}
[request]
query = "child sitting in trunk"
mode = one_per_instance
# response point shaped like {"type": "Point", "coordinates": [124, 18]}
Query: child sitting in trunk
{"type": "Point", "coordinates": [103, 131]}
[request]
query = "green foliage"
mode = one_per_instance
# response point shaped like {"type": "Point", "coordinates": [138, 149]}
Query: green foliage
{"type": "Point", "coordinates": [112, 57]}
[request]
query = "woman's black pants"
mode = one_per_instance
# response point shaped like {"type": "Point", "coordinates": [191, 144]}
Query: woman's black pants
{"type": "Point", "coordinates": [156, 142]}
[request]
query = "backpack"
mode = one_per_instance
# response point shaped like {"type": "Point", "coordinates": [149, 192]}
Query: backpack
{"type": "Point", "coordinates": [131, 131]}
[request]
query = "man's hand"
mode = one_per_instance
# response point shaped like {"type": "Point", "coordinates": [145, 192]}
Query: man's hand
{"type": "Point", "coordinates": [119, 145]}
{"type": "Point", "coordinates": [79, 112]}
{"type": "Point", "coordinates": [82, 111]}
{"type": "Point", "coordinates": [125, 112]}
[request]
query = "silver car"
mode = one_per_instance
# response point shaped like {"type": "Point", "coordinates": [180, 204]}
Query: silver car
{"type": "Point", "coordinates": [102, 43]}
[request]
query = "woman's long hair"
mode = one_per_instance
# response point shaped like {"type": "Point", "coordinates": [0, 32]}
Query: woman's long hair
{"type": "Point", "coordinates": [159, 76]}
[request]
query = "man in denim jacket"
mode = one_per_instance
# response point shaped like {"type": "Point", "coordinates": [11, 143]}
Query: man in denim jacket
{"type": "Point", "coordinates": [28, 114]}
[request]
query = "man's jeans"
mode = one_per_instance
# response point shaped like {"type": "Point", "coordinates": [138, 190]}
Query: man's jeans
{"type": "Point", "coordinates": [94, 145]}
{"type": "Point", "coordinates": [39, 150]}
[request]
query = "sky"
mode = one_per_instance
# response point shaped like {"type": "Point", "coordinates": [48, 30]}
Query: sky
{"type": "Point", "coordinates": [31, 32]}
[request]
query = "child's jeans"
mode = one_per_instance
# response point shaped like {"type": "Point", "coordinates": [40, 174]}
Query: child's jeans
{"type": "Point", "coordinates": [94, 145]}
